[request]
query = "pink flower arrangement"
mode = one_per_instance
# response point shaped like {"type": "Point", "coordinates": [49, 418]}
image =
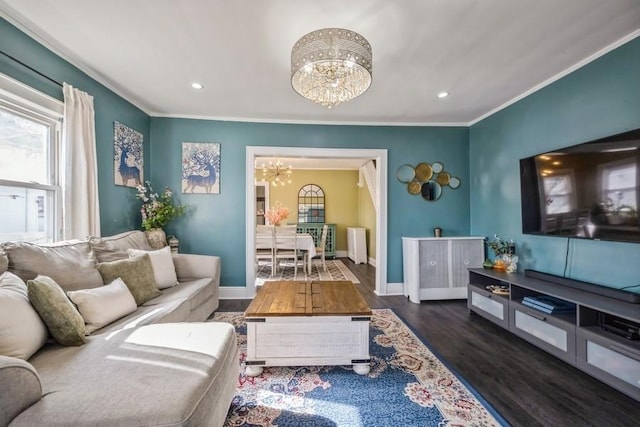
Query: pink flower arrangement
{"type": "Point", "coordinates": [276, 215]}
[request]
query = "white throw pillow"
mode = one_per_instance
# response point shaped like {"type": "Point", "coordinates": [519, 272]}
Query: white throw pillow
{"type": "Point", "coordinates": [22, 331]}
{"type": "Point", "coordinates": [101, 306]}
{"type": "Point", "coordinates": [162, 262]}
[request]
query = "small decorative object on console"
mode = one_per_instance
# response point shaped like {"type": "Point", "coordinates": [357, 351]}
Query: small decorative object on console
{"type": "Point", "coordinates": [498, 289]}
{"type": "Point", "coordinates": [504, 251]}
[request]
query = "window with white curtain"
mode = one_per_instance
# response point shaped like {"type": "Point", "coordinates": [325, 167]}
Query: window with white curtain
{"type": "Point", "coordinates": [619, 184]}
{"type": "Point", "coordinates": [30, 171]}
{"type": "Point", "coordinates": [558, 192]}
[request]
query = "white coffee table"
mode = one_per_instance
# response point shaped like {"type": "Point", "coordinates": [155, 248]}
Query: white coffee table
{"type": "Point", "coordinates": [307, 324]}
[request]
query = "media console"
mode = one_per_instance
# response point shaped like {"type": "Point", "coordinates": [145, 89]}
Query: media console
{"type": "Point", "coordinates": [620, 294]}
{"type": "Point", "coordinates": [598, 336]}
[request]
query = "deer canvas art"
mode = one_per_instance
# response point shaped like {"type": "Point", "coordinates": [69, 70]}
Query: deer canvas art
{"type": "Point", "coordinates": [127, 158]}
{"type": "Point", "coordinates": [201, 167]}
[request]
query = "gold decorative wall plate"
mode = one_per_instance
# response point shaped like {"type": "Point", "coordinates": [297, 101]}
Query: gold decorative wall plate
{"type": "Point", "coordinates": [414, 187]}
{"type": "Point", "coordinates": [424, 172]}
{"type": "Point", "coordinates": [426, 179]}
{"type": "Point", "coordinates": [443, 178]}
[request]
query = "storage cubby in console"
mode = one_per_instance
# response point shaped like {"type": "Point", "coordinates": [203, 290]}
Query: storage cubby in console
{"type": "Point", "coordinates": [583, 324]}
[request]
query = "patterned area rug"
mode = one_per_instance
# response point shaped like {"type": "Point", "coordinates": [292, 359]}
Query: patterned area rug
{"type": "Point", "coordinates": [336, 270]}
{"type": "Point", "coordinates": [408, 386]}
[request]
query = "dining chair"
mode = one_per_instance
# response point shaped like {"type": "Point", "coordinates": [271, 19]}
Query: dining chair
{"type": "Point", "coordinates": [266, 233]}
{"type": "Point", "coordinates": [320, 249]}
{"type": "Point", "coordinates": [286, 247]}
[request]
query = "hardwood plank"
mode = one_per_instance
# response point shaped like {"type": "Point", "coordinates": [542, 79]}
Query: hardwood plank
{"type": "Point", "coordinates": [526, 385]}
{"type": "Point", "coordinates": [279, 299]}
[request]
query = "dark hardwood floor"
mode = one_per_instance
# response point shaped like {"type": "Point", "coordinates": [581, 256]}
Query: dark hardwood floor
{"type": "Point", "coordinates": [527, 386]}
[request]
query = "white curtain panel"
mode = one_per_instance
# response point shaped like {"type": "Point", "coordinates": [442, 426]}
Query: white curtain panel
{"type": "Point", "coordinates": [81, 206]}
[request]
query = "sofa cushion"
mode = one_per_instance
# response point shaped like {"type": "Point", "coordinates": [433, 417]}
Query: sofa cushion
{"type": "Point", "coordinates": [154, 375]}
{"type": "Point", "coordinates": [195, 291]}
{"type": "Point", "coordinates": [137, 274]}
{"type": "Point", "coordinates": [173, 311]}
{"type": "Point", "coordinates": [164, 271]}
{"type": "Point", "coordinates": [103, 305]}
{"type": "Point", "coordinates": [62, 319]}
{"type": "Point", "coordinates": [115, 247]}
{"type": "Point", "coordinates": [70, 264]}
{"type": "Point", "coordinates": [4, 262]}
{"type": "Point", "coordinates": [22, 331]}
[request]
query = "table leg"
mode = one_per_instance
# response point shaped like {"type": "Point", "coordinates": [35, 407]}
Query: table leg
{"type": "Point", "coordinates": [361, 368]}
{"type": "Point", "coordinates": [253, 370]}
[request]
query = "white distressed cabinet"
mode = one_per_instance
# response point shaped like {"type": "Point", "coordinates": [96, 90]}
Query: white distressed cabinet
{"type": "Point", "coordinates": [357, 244]}
{"type": "Point", "coordinates": [437, 267]}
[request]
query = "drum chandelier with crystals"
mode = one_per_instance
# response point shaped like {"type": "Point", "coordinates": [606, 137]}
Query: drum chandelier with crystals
{"type": "Point", "coordinates": [331, 65]}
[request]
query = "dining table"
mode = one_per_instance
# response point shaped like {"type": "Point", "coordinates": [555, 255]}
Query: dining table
{"type": "Point", "coordinates": [303, 242]}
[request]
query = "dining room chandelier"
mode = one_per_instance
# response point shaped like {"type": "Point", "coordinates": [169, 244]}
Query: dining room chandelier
{"type": "Point", "coordinates": [277, 173]}
{"type": "Point", "coordinates": [331, 65]}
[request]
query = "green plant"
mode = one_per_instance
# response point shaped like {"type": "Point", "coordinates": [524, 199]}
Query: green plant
{"type": "Point", "coordinates": [157, 210]}
{"type": "Point", "coordinates": [617, 207]}
{"type": "Point", "coordinates": [498, 245]}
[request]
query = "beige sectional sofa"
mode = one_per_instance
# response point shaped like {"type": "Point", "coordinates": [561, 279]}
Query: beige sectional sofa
{"type": "Point", "coordinates": [158, 365]}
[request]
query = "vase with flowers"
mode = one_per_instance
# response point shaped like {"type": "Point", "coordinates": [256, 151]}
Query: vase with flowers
{"type": "Point", "coordinates": [277, 214]}
{"type": "Point", "coordinates": [504, 252]}
{"type": "Point", "coordinates": [157, 210]}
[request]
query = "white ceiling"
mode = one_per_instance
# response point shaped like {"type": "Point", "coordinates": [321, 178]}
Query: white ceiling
{"type": "Point", "coordinates": [486, 53]}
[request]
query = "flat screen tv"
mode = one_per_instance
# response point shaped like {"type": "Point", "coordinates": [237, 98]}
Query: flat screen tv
{"type": "Point", "coordinates": [590, 190]}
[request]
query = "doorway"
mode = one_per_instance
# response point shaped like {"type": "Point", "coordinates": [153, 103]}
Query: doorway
{"type": "Point", "coordinates": [380, 158]}
{"type": "Point", "coordinates": [262, 201]}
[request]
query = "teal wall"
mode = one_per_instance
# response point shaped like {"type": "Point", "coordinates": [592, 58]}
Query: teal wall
{"type": "Point", "coordinates": [600, 99]}
{"type": "Point", "coordinates": [118, 207]}
{"type": "Point", "coordinates": [216, 223]}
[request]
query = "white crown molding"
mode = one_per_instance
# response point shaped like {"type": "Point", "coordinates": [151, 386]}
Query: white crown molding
{"type": "Point", "coordinates": [308, 122]}
{"type": "Point", "coordinates": [560, 75]}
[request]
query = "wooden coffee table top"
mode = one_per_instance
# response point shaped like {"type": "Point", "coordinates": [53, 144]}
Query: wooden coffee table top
{"type": "Point", "coordinates": [283, 298]}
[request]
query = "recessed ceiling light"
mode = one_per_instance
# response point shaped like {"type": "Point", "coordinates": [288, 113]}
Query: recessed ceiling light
{"type": "Point", "coordinates": [443, 95]}
{"type": "Point", "coordinates": [197, 85]}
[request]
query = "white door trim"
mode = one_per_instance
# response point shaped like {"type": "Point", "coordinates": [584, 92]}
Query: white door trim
{"type": "Point", "coordinates": [380, 157]}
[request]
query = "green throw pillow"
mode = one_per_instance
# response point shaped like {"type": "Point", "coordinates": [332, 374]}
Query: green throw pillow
{"type": "Point", "coordinates": [136, 273]}
{"type": "Point", "coordinates": [62, 319]}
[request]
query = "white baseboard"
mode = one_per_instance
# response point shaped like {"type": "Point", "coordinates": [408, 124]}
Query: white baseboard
{"type": "Point", "coordinates": [372, 261]}
{"type": "Point", "coordinates": [395, 289]}
{"type": "Point", "coordinates": [341, 254]}
{"type": "Point", "coordinates": [233, 292]}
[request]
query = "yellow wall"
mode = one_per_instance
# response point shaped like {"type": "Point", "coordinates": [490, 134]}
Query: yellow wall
{"type": "Point", "coordinates": [341, 199]}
